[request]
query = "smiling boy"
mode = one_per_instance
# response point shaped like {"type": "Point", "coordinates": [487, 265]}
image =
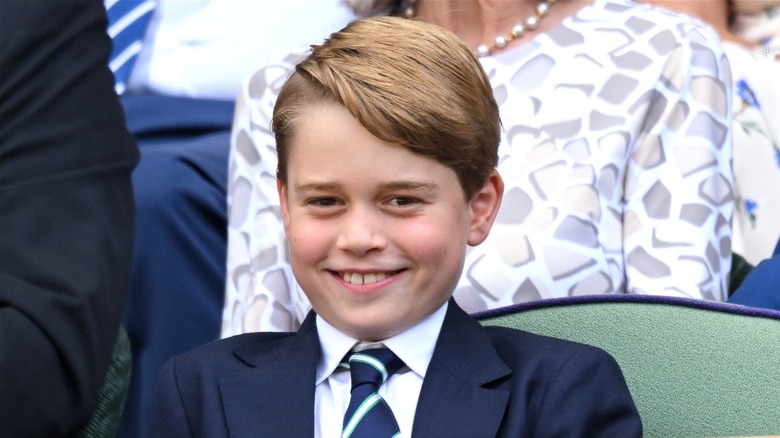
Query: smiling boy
{"type": "Point", "coordinates": [387, 138]}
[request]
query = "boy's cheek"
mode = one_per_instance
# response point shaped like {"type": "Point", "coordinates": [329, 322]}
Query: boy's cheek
{"type": "Point", "coordinates": [308, 243]}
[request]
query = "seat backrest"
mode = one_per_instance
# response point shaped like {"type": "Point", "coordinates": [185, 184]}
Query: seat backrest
{"type": "Point", "coordinates": [694, 368]}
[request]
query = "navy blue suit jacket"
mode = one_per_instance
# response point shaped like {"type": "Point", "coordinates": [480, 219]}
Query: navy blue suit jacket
{"type": "Point", "coordinates": [481, 382]}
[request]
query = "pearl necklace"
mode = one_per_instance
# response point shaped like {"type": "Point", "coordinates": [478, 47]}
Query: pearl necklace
{"type": "Point", "coordinates": [518, 30]}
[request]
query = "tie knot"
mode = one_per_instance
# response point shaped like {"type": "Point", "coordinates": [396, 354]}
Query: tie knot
{"type": "Point", "coordinates": [373, 366]}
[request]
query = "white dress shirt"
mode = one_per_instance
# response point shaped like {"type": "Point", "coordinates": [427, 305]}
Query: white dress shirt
{"type": "Point", "coordinates": [401, 391]}
{"type": "Point", "coordinates": [206, 48]}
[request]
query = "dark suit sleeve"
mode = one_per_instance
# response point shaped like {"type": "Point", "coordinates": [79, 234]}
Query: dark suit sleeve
{"type": "Point", "coordinates": [759, 289]}
{"type": "Point", "coordinates": [169, 418]}
{"type": "Point", "coordinates": [588, 398]}
{"type": "Point", "coordinates": [66, 213]}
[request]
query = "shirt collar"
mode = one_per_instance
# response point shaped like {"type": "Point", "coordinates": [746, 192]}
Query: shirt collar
{"type": "Point", "coordinates": [334, 345]}
{"type": "Point", "coordinates": [414, 345]}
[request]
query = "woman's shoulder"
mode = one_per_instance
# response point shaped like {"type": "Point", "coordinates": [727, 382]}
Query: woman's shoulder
{"type": "Point", "coordinates": [643, 19]}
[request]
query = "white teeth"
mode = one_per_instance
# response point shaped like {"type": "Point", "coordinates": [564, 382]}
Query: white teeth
{"type": "Point", "coordinates": [355, 278]}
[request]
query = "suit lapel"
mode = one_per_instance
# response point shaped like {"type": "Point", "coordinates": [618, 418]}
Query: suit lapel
{"type": "Point", "coordinates": [454, 400]}
{"type": "Point", "coordinates": [275, 396]}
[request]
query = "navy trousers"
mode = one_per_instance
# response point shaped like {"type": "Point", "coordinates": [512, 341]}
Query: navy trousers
{"type": "Point", "coordinates": [177, 285]}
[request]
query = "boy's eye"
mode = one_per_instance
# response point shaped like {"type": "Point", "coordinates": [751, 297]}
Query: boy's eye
{"type": "Point", "coordinates": [322, 202]}
{"type": "Point", "coordinates": [403, 201]}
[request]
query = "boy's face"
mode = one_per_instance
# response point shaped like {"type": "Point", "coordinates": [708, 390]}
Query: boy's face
{"type": "Point", "coordinates": [377, 233]}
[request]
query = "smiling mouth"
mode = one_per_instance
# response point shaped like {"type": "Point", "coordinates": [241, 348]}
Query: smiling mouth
{"type": "Point", "coordinates": [358, 279]}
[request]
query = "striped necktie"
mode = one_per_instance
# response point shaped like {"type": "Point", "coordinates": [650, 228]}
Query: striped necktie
{"type": "Point", "coordinates": [127, 22]}
{"type": "Point", "coordinates": [368, 415]}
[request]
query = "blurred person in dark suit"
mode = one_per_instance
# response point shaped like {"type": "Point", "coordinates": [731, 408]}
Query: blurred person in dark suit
{"type": "Point", "coordinates": [66, 214]}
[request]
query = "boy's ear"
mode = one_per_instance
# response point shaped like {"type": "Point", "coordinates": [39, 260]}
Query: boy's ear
{"type": "Point", "coordinates": [281, 188]}
{"type": "Point", "coordinates": [484, 208]}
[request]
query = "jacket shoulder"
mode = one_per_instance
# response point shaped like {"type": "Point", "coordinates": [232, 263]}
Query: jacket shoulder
{"type": "Point", "coordinates": [518, 347]}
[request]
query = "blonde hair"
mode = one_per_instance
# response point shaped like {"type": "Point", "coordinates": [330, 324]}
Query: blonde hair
{"type": "Point", "coordinates": [409, 83]}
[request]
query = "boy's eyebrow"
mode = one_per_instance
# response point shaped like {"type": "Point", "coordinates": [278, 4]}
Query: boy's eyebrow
{"type": "Point", "coordinates": [409, 185]}
{"type": "Point", "coordinates": [315, 186]}
{"type": "Point", "coordinates": [392, 185]}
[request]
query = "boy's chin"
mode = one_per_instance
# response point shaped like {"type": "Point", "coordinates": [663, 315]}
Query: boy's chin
{"type": "Point", "coordinates": [378, 327]}
{"type": "Point", "coordinates": [372, 332]}
{"type": "Point", "coordinates": [378, 320]}
{"type": "Point", "coordinates": [370, 328]}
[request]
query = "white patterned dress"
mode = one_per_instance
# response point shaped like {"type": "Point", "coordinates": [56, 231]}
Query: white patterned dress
{"type": "Point", "coordinates": [756, 153]}
{"type": "Point", "coordinates": [616, 154]}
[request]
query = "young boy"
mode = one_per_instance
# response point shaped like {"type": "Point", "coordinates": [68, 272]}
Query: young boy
{"type": "Point", "coordinates": [387, 138]}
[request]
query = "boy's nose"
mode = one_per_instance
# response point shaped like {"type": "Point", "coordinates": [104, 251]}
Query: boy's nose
{"type": "Point", "coordinates": [361, 231]}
